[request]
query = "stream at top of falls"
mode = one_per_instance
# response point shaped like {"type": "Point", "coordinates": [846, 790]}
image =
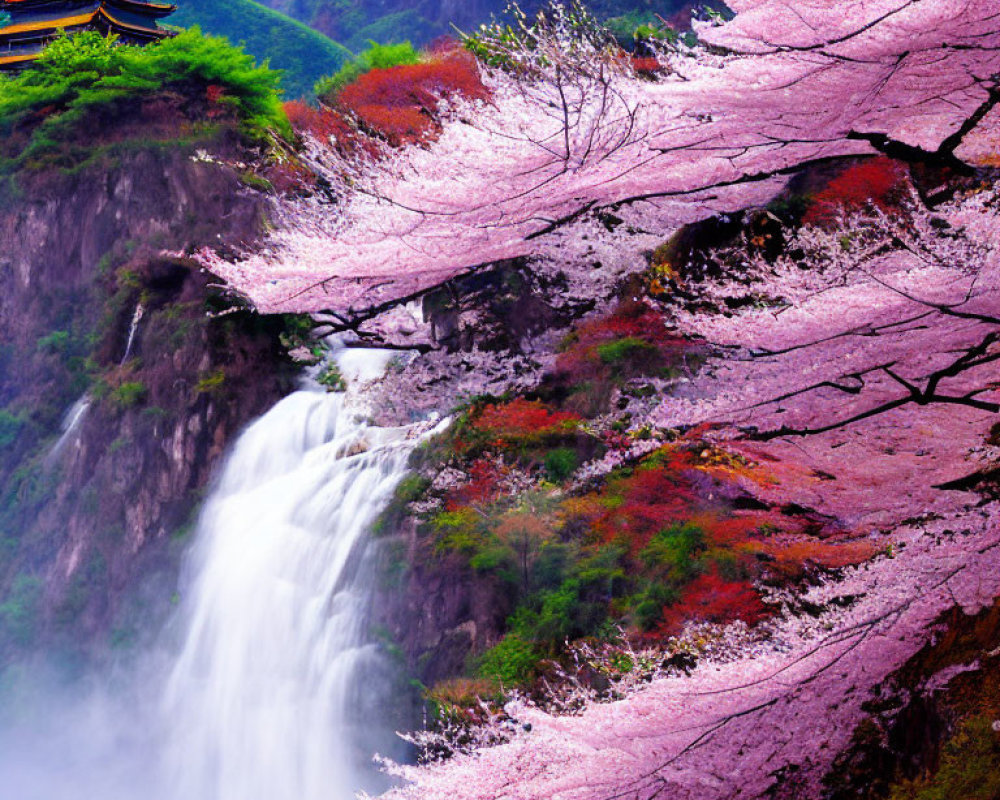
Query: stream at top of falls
{"type": "Point", "coordinates": [270, 686]}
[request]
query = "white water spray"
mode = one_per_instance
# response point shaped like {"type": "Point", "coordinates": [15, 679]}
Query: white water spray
{"type": "Point", "coordinates": [133, 328]}
{"type": "Point", "coordinates": [70, 425]}
{"type": "Point", "coordinates": [272, 689]}
{"type": "Point", "coordinates": [275, 663]}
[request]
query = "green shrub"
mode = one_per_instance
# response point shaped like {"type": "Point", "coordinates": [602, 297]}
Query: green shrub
{"type": "Point", "coordinates": [648, 606]}
{"type": "Point", "coordinates": [578, 605]}
{"type": "Point", "coordinates": [377, 56]}
{"type": "Point", "coordinates": [10, 428]}
{"type": "Point", "coordinates": [624, 349]}
{"type": "Point", "coordinates": [458, 531]}
{"type": "Point", "coordinates": [128, 394]}
{"type": "Point", "coordinates": [332, 379]}
{"type": "Point", "coordinates": [560, 464]}
{"type": "Point", "coordinates": [673, 551]}
{"type": "Point", "coordinates": [497, 558]}
{"type": "Point", "coordinates": [512, 662]}
{"type": "Point", "coordinates": [55, 342]}
{"type": "Point", "coordinates": [85, 77]}
{"type": "Point", "coordinates": [409, 489]}
{"type": "Point", "coordinates": [19, 611]}
{"type": "Point", "coordinates": [210, 383]}
{"type": "Point", "coordinates": [969, 767]}
{"type": "Point", "coordinates": [254, 181]}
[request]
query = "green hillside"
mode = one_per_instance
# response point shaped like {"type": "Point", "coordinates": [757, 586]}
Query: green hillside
{"type": "Point", "coordinates": [354, 22]}
{"type": "Point", "coordinates": [301, 52]}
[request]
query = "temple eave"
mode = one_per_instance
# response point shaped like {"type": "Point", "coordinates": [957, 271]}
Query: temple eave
{"type": "Point", "coordinates": [49, 24]}
{"type": "Point", "coordinates": [18, 59]}
{"type": "Point", "coordinates": [35, 23]}
{"type": "Point", "coordinates": [149, 9]}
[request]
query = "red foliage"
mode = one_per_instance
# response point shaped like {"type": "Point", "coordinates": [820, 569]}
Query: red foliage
{"type": "Point", "coordinates": [329, 126]}
{"type": "Point", "coordinates": [878, 182]}
{"type": "Point", "coordinates": [214, 93]}
{"type": "Point", "coordinates": [651, 499]}
{"type": "Point", "coordinates": [581, 362]}
{"type": "Point", "coordinates": [400, 103]}
{"type": "Point", "coordinates": [647, 67]}
{"type": "Point", "coordinates": [288, 178]}
{"type": "Point", "coordinates": [522, 419]}
{"type": "Point", "coordinates": [711, 598]}
{"type": "Point", "coordinates": [483, 487]}
{"type": "Point", "coordinates": [723, 531]}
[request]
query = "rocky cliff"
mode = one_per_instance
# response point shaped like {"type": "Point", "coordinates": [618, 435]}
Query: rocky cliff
{"type": "Point", "coordinates": [120, 389]}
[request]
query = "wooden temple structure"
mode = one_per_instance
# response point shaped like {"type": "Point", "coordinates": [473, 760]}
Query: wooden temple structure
{"type": "Point", "coordinates": [34, 23]}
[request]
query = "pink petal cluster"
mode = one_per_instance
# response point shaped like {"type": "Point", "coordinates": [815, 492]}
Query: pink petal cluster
{"type": "Point", "coordinates": [804, 82]}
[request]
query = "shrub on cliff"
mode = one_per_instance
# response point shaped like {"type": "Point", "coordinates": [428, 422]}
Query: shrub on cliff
{"type": "Point", "coordinates": [377, 56]}
{"type": "Point", "coordinates": [84, 84]}
{"type": "Point", "coordinates": [401, 103]}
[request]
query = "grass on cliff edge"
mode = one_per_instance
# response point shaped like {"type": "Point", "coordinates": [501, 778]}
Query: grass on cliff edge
{"type": "Point", "coordinates": [85, 82]}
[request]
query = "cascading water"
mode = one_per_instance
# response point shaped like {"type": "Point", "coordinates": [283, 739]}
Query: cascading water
{"type": "Point", "coordinates": [133, 329]}
{"type": "Point", "coordinates": [272, 688]}
{"type": "Point", "coordinates": [70, 425]}
{"type": "Point", "coordinates": [275, 661]}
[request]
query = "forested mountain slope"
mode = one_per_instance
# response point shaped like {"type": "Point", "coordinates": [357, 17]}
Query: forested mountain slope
{"type": "Point", "coordinates": [304, 55]}
{"type": "Point", "coordinates": [353, 22]}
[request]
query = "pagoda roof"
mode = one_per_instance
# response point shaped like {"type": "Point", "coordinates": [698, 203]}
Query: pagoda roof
{"type": "Point", "coordinates": [51, 23]}
{"type": "Point", "coordinates": [15, 59]}
{"type": "Point", "coordinates": [141, 7]}
{"type": "Point", "coordinates": [129, 23]}
{"type": "Point", "coordinates": [149, 9]}
{"type": "Point", "coordinates": [137, 6]}
{"type": "Point", "coordinates": [125, 21]}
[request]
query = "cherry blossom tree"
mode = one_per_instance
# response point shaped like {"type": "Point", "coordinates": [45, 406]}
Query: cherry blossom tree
{"type": "Point", "coordinates": [782, 86]}
{"type": "Point", "coordinates": [865, 380]}
{"type": "Point", "coordinates": [860, 366]}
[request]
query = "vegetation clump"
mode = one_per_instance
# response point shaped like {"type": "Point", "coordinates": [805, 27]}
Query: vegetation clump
{"type": "Point", "coordinates": [402, 103]}
{"type": "Point", "coordinates": [376, 56]}
{"type": "Point", "coordinates": [56, 113]}
{"type": "Point", "coordinates": [969, 767]}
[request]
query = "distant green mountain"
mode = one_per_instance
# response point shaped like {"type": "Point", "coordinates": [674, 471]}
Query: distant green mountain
{"type": "Point", "coordinates": [303, 53]}
{"type": "Point", "coordinates": [353, 22]}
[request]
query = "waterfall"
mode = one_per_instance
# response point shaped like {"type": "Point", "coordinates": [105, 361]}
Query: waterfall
{"type": "Point", "coordinates": [70, 425]}
{"type": "Point", "coordinates": [275, 662]}
{"type": "Point", "coordinates": [266, 685]}
{"type": "Point", "coordinates": [133, 328]}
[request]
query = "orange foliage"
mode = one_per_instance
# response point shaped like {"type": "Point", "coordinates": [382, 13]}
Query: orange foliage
{"type": "Point", "coordinates": [726, 531]}
{"type": "Point", "coordinates": [401, 103]}
{"type": "Point", "coordinates": [877, 182]}
{"type": "Point", "coordinates": [791, 557]}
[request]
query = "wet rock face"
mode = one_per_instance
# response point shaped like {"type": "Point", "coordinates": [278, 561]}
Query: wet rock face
{"type": "Point", "coordinates": [918, 708]}
{"type": "Point", "coordinates": [440, 615]}
{"type": "Point", "coordinates": [496, 309]}
{"type": "Point", "coordinates": [93, 516]}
